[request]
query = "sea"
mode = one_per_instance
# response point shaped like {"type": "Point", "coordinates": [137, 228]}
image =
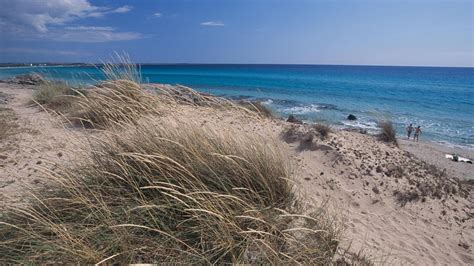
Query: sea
{"type": "Point", "coordinates": [439, 99]}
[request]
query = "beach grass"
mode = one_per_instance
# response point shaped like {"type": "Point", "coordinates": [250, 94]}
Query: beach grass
{"type": "Point", "coordinates": [323, 129]}
{"type": "Point", "coordinates": [151, 188]}
{"type": "Point", "coordinates": [257, 107]}
{"type": "Point", "coordinates": [56, 96]}
{"type": "Point", "coordinates": [388, 133]}
{"type": "Point", "coordinates": [8, 126]}
{"type": "Point", "coordinates": [111, 103]}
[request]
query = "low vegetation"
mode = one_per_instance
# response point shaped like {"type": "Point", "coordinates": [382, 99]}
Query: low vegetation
{"type": "Point", "coordinates": [388, 133]}
{"type": "Point", "coordinates": [55, 96]}
{"type": "Point", "coordinates": [323, 129]}
{"type": "Point", "coordinates": [167, 189]}
{"type": "Point", "coordinates": [7, 123]}
{"type": "Point", "coordinates": [257, 107]}
{"type": "Point", "coordinates": [112, 103]}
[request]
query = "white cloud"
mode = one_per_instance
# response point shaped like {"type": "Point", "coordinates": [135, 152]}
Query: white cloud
{"type": "Point", "coordinates": [92, 34]}
{"type": "Point", "coordinates": [90, 28]}
{"type": "Point", "coordinates": [38, 16]}
{"type": "Point", "coordinates": [96, 36]}
{"type": "Point", "coordinates": [49, 19]}
{"type": "Point", "coordinates": [157, 14]}
{"type": "Point", "coordinates": [123, 9]}
{"type": "Point", "coordinates": [212, 23]}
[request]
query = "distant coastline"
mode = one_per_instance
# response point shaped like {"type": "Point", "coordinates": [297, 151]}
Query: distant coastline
{"type": "Point", "coordinates": [77, 64]}
{"type": "Point", "coordinates": [28, 65]}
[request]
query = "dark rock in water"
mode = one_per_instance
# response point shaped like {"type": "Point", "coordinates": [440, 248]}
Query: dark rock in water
{"type": "Point", "coordinates": [293, 119]}
{"type": "Point", "coordinates": [28, 79]}
{"type": "Point", "coordinates": [351, 117]}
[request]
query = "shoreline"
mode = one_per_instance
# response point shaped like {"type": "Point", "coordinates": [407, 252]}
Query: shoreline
{"type": "Point", "coordinates": [434, 153]}
{"type": "Point", "coordinates": [450, 148]}
{"type": "Point", "coordinates": [336, 122]}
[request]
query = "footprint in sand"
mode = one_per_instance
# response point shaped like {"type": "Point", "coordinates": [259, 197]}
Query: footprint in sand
{"type": "Point", "coordinates": [429, 241]}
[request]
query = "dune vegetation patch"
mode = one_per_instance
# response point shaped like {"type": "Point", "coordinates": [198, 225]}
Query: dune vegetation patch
{"type": "Point", "coordinates": [323, 129]}
{"type": "Point", "coordinates": [167, 189]}
{"type": "Point", "coordinates": [257, 107]}
{"type": "Point", "coordinates": [112, 103]}
{"type": "Point", "coordinates": [56, 96]}
{"type": "Point", "coordinates": [388, 133]}
{"type": "Point", "coordinates": [171, 191]}
{"type": "Point", "coordinates": [8, 126]}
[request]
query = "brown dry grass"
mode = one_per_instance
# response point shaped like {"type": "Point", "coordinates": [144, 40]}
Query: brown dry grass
{"type": "Point", "coordinates": [388, 133]}
{"type": "Point", "coordinates": [257, 107]}
{"type": "Point", "coordinates": [168, 190]}
{"type": "Point", "coordinates": [323, 129]}
{"type": "Point", "coordinates": [55, 96]}
{"type": "Point", "coordinates": [7, 123]}
{"type": "Point", "coordinates": [114, 102]}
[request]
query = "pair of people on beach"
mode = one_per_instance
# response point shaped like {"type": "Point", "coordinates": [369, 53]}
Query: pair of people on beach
{"type": "Point", "coordinates": [417, 134]}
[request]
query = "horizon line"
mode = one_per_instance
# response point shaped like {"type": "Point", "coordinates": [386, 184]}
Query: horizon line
{"type": "Point", "coordinates": [262, 64]}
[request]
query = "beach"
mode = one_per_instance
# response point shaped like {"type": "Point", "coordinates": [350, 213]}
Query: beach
{"type": "Point", "coordinates": [435, 154]}
{"type": "Point", "coordinates": [435, 98]}
{"type": "Point", "coordinates": [396, 206]}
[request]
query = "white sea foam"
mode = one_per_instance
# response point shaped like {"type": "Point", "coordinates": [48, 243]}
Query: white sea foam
{"type": "Point", "coordinates": [300, 110]}
{"type": "Point", "coordinates": [369, 125]}
{"type": "Point", "coordinates": [267, 102]}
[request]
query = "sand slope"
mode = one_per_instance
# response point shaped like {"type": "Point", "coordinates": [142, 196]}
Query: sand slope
{"type": "Point", "coordinates": [357, 174]}
{"type": "Point", "coordinates": [38, 143]}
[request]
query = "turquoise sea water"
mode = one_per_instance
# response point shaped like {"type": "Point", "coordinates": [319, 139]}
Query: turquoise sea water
{"type": "Point", "coordinates": [438, 99]}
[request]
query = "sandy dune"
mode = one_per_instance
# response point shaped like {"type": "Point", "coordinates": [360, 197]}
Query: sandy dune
{"type": "Point", "coordinates": [360, 177]}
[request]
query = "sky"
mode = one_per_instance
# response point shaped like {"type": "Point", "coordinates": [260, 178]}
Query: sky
{"type": "Point", "coordinates": [351, 32]}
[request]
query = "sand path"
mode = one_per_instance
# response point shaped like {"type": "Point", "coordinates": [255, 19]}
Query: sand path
{"type": "Point", "coordinates": [38, 143]}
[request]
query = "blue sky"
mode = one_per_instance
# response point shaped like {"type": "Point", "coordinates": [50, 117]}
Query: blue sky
{"type": "Point", "coordinates": [377, 32]}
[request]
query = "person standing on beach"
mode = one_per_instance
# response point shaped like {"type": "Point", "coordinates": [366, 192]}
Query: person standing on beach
{"type": "Point", "coordinates": [409, 130]}
{"type": "Point", "coordinates": [417, 133]}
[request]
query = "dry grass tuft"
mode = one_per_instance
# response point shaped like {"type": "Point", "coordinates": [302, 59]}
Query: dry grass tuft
{"type": "Point", "coordinates": [388, 133]}
{"type": "Point", "coordinates": [114, 102]}
{"type": "Point", "coordinates": [323, 129]}
{"type": "Point", "coordinates": [55, 96]}
{"type": "Point", "coordinates": [8, 126]}
{"type": "Point", "coordinates": [153, 188]}
{"type": "Point", "coordinates": [171, 191]}
{"type": "Point", "coordinates": [166, 189]}
{"type": "Point", "coordinates": [256, 107]}
{"type": "Point", "coordinates": [122, 68]}
{"type": "Point", "coordinates": [403, 197]}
